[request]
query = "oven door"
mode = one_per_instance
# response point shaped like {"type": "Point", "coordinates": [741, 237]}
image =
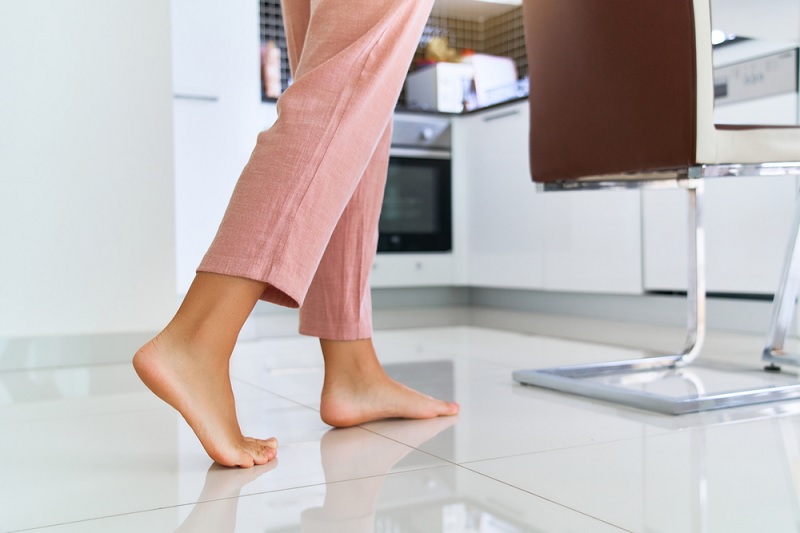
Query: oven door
{"type": "Point", "coordinates": [417, 207]}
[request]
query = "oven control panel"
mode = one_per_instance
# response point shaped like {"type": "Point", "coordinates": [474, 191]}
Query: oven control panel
{"type": "Point", "coordinates": [421, 131]}
{"type": "Point", "coordinates": [756, 78]}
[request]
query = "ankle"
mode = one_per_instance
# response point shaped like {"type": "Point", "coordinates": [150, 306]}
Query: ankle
{"type": "Point", "coordinates": [198, 339]}
{"type": "Point", "coordinates": [350, 362]}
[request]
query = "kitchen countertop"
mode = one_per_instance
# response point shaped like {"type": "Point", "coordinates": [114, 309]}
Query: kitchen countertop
{"type": "Point", "coordinates": [403, 109]}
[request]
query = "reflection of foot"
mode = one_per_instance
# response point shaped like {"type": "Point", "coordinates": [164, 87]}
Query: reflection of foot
{"type": "Point", "coordinates": [199, 387]}
{"type": "Point", "coordinates": [357, 390]}
{"type": "Point", "coordinates": [350, 453]}
{"type": "Point", "coordinates": [220, 494]}
{"type": "Point", "coordinates": [364, 459]}
{"type": "Point", "coordinates": [224, 483]}
{"type": "Point", "coordinates": [318, 520]}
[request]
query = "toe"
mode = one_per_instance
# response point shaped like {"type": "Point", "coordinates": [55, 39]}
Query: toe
{"type": "Point", "coordinates": [243, 460]}
{"type": "Point", "coordinates": [262, 451]}
{"type": "Point", "coordinates": [271, 442]}
{"type": "Point", "coordinates": [450, 408]}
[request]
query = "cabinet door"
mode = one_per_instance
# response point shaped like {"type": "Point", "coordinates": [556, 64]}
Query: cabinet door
{"type": "Point", "coordinates": [520, 237]}
{"type": "Point", "coordinates": [217, 115]}
{"type": "Point", "coordinates": [196, 47]}
{"type": "Point", "coordinates": [747, 226]}
{"type": "Point", "coordinates": [490, 152]}
{"type": "Point", "coordinates": [392, 270]}
{"type": "Point", "coordinates": [592, 241]}
{"type": "Point", "coordinates": [203, 184]}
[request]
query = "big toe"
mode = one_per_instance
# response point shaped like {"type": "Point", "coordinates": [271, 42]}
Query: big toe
{"type": "Point", "coordinates": [241, 458]}
{"type": "Point", "coordinates": [263, 451]}
{"type": "Point", "coordinates": [449, 408]}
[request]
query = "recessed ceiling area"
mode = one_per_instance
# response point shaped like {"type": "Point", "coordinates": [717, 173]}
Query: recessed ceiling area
{"type": "Point", "coordinates": [473, 9]}
{"type": "Point", "coordinates": [772, 20]}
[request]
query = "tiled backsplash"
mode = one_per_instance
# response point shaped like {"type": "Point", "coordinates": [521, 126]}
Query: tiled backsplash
{"type": "Point", "coordinates": [501, 35]}
{"type": "Point", "coordinates": [459, 33]}
{"type": "Point", "coordinates": [505, 37]}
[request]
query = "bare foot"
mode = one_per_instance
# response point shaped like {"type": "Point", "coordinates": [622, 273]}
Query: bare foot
{"type": "Point", "coordinates": [198, 385]}
{"type": "Point", "coordinates": [357, 390]}
{"type": "Point", "coordinates": [376, 399]}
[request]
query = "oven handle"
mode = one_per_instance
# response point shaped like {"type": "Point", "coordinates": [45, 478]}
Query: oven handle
{"type": "Point", "coordinates": [419, 153]}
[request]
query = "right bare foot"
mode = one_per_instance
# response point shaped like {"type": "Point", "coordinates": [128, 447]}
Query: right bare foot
{"type": "Point", "coordinates": [357, 390]}
{"type": "Point", "coordinates": [198, 386]}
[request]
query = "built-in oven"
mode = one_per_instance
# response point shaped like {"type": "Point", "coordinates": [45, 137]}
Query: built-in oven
{"type": "Point", "coordinates": [417, 205]}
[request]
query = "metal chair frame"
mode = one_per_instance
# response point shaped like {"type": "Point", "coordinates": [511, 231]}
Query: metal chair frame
{"type": "Point", "coordinates": [577, 379]}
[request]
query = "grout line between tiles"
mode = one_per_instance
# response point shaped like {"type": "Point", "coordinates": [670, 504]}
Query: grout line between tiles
{"type": "Point", "coordinates": [64, 367]}
{"type": "Point", "coordinates": [281, 396]}
{"type": "Point", "coordinates": [563, 448]}
{"type": "Point", "coordinates": [545, 498]}
{"type": "Point", "coordinates": [241, 496]}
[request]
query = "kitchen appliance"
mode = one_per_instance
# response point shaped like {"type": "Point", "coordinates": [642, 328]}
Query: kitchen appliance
{"type": "Point", "coordinates": [756, 82]}
{"type": "Point", "coordinates": [495, 79]}
{"type": "Point", "coordinates": [417, 206]}
{"type": "Point", "coordinates": [439, 87]}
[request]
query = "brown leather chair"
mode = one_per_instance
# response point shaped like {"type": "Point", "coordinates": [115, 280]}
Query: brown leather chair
{"type": "Point", "coordinates": [622, 95]}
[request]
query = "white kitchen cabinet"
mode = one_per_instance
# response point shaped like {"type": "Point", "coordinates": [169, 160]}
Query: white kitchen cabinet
{"type": "Point", "coordinates": [201, 183]}
{"type": "Point", "coordinates": [217, 112]}
{"type": "Point", "coordinates": [392, 270]}
{"type": "Point", "coordinates": [523, 238]}
{"type": "Point", "coordinates": [196, 47]}
{"type": "Point", "coordinates": [592, 241]}
{"type": "Point", "coordinates": [490, 154]}
{"type": "Point", "coordinates": [747, 225]}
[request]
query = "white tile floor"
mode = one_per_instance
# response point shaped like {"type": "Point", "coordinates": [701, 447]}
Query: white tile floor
{"type": "Point", "coordinates": [87, 448]}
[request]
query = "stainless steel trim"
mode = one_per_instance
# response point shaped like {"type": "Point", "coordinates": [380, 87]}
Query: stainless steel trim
{"type": "Point", "coordinates": [555, 379]}
{"type": "Point", "coordinates": [748, 169]}
{"type": "Point", "coordinates": [696, 270]}
{"type": "Point", "coordinates": [198, 97]}
{"type": "Point", "coordinates": [419, 152]}
{"type": "Point", "coordinates": [784, 303]}
{"type": "Point", "coordinates": [600, 183]}
{"type": "Point", "coordinates": [498, 116]}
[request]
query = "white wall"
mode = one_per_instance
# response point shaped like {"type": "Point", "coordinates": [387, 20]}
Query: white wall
{"type": "Point", "coordinates": [86, 180]}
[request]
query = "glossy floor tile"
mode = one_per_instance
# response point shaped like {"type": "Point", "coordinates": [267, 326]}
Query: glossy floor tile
{"type": "Point", "coordinates": [85, 447]}
{"type": "Point", "coordinates": [68, 469]}
{"type": "Point", "coordinates": [434, 500]}
{"type": "Point", "coordinates": [738, 477]}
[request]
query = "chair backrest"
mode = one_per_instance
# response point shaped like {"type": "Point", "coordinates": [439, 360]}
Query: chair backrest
{"type": "Point", "coordinates": [614, 85]}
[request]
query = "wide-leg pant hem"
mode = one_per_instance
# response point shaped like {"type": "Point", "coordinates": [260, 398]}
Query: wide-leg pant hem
{"type": "Point", "coordinates": [335, 331]}
{"type": "Point", "coordinates": [278, 291]}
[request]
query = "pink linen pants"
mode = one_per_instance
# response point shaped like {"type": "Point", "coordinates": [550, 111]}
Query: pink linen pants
{"type": "Point", "coordinates": [304, 214]}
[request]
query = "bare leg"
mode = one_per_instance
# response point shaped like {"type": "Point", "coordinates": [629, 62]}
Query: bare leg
{"type": "Point", "coordinates": [357, 390]}
{"type": "Point", "coordinates": [187, 366]}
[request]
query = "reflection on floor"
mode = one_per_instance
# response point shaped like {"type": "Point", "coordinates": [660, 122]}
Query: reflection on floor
{"type": "Point", "coordinates": [87, 448]}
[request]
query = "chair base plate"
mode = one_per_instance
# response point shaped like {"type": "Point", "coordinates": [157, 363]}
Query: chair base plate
{"type": "Point", "coordinates": [664, 388]}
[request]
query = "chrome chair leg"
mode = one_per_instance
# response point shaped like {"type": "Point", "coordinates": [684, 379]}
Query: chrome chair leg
{"type": "Point", "coordinates": [783, 305]}
{"type": "Point", "coordinates": [607, 380]}
{"type": "Point", "coordinates": [696, 269]}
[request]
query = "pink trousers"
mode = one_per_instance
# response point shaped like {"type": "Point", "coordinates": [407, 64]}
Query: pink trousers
{"type": "Point", "coordinates": [304, 214]}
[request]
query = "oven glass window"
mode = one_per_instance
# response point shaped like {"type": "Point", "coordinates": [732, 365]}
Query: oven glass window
{"type": "Point", "coordinates": [416, 212]}
{"type": "Point", "coordinates": [410, 202]}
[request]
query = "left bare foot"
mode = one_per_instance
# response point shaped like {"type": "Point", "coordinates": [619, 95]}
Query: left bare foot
{"type": "Point", "coordinates": [357, 390]}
